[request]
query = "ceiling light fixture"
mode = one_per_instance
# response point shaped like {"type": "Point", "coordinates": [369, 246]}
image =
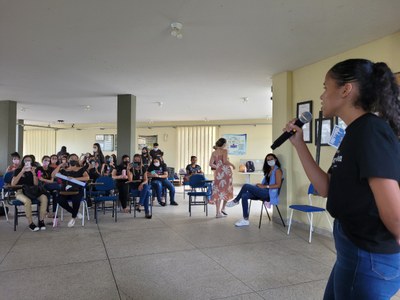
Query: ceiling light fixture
{"type": "Point", "coordinates": [245, 99]}
{"type": "Point", "coordinates": [87, 107]}
{"type": "Point", "coordinates": [176, 30]}
{"type": "Point", "coordinates": [160, 103]}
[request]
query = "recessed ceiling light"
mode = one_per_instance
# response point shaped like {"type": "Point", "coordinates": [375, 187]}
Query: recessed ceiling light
{"type": "Point", "coordinates": [245, 99]}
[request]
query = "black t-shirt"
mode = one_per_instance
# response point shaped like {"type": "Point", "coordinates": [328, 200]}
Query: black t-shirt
{"type": "Point", "coordinates": [155, 153]}
{"type": "Point", "coordinates": [369, 149]}
{"type": "Point", "coordinates": [193, 170]}
{"type": "Point", "coordinates": [157, 170]}
{"type": "Point", "coordinates": [137, 175]}
{"type": "Point", "coordinates": [119, 170]}
{"type": "Point", "coordinates": [26, 178]}
{"type": "Point", "coordinates": [46, 174]}
{"type": "Point", "coordinates": [74, 174]}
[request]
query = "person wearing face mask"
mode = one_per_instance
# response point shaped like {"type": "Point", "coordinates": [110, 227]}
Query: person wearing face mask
{"type": "Point", "coordinates": [98, 154]}
{"type": "Point", "coordinates": [71, 169]}
{"type": "Point", "coordinates": [26, 175]}
{"type": "Point", "coordinates": [267, 189]}
{"type": "Point", "coordinates": [16, 160]}
{"type": "Point", "coordinates": [146, 158]}
{"type": "Point", "coordinates": [158, 172]}
{"type": "Point", "coordinates": [223, 183]}
{"type": "Point", "coordinates": [43, 174]}
{"type": "Point", "coordinates": [155, 152]}
{"type": "Point", "coordinates": [108, 166]}
{"type": "Point", "coordinates": [53, 161]}
{"type": "Point", "coordinates": [138, 183]}
{"type": "Point", "coordinates": [120, 175]}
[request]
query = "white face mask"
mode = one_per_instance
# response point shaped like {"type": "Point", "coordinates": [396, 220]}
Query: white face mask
{"type": "Point", "coordinates": [271, 163]}
{"type": "Point", "coordinates": [94, 149]}
{"type": "Point", "coordinates": [16, 161]}
{"type": "Point", "coordinates": [155, 149]}
{"type": "Point", "coordinates": [156, 164]}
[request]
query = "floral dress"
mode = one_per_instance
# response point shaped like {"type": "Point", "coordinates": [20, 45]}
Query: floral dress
{"type": "Point", "coordinates": [223, 183]}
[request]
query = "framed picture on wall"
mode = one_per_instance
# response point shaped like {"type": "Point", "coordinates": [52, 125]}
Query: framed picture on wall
{"type": "Point", "coordinates": [327, 126]}
{"type": "Point", "coordinates": [307, 128]}
{"type": "Point", "coordinates": [339, 122]}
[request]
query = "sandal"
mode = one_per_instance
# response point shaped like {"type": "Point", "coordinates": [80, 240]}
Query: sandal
{"type": "Point", "coordinates": [212, 202]}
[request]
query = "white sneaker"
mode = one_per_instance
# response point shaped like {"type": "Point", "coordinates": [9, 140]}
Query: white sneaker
{"type": "Point", "coordinates": [71, 223]}
{"type": "Point", "coordinates": [79, 216]}
{"type": "Point", "coordinates": [242, 222]}
{"type": "Point", "coordinates": [232, 203]}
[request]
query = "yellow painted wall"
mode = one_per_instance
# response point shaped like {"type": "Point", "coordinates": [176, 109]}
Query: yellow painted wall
{"type": "Point", "coordinates": [307, 85]}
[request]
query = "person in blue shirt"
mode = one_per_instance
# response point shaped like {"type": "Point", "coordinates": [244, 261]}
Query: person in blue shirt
{"type": "Point", "coordinates": [267, 189]}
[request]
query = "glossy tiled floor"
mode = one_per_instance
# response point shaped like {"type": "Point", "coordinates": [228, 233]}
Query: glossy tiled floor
{"type": "Point", "coordinates": [172, 256]}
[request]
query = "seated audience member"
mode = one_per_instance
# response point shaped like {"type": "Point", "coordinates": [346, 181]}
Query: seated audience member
{"type": "Point", "coordinates": [98, 154]}
{"type": "Point", "coordinates": [155, 152]}
{"type": "Point", "coordinates": [108, 166]}
{"type": "Point", "coordinates": [138, 181]}
{"type": "Point", "coordinates": [146, 158]}
{"type": "Point", "coordinates": [120, 175]}
{"type": "Point", "coordinates": [16, 160]}
{"type": "Point", "coordinates": [73, 170]}
{"type": "Point", "coordinates": [44, 176]}
{"type": "Point", "coordinates": [114, 160]}
{"type": "Point", "coordinates": [192, 168]}
{"type": "Point", "coordinates": [158, 172]}
{"type": "Point", "coordinates": [25, 175]}
{"type": "Point", "coordinates": [93, 169]}
{"type": "Point", "coordinates": [53, 161]}
{"type": "Point", "coordinates": [267, 189]}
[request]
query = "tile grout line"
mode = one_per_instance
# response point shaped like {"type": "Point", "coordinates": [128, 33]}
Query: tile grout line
{"type": "Point", "coordinates": [109, 262]}
{"type": "Point", "coordinates": [12, 246]}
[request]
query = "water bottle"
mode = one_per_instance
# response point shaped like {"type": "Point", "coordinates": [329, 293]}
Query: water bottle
{"type": "Point", "coordinates": [124, 173]}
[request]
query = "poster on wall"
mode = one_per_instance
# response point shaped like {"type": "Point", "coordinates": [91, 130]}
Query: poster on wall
{"type": "Point", "coordinates": [236, 143]}
{"type": "Point", "coordinates": [146, 141]}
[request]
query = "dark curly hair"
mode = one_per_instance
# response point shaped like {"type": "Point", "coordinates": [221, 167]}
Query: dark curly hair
{"type": "Point", "coordinates": [378, 89]}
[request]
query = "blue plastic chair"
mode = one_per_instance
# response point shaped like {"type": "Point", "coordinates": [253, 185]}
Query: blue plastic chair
{"type": "Point", "coordinates": [199, 188]}
{"type": "Point", "coordinates": [105, 192]}
{"type": "Point", "coordinates": [309, 209]}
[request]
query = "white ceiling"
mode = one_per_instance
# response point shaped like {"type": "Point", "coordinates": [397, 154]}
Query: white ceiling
{"type": "Point", "coordinates": [57, 56]}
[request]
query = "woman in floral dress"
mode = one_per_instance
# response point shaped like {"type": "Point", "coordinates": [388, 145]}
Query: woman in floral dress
{"type": "Point", "coordinates": [223, 187]}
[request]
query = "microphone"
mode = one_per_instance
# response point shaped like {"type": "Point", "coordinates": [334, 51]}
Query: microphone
{"type": "Point", "coordinates": [304, 118]}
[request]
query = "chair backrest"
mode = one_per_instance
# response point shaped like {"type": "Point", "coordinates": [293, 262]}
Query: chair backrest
{"type": "Point", "coordinates": [107, 183]}
{"type": "Point", "coordinates": [197, 181]}
{"type": "Point", "coordinates": [1, 182]}
{"type": "Point", "coordinates": [312, 192]}
{"type": "Point", "coordinates": [8, 177]}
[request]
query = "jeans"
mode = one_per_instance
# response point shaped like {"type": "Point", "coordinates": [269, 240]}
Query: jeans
{"type": "Point", "coordinates": [249, 191]}
{"type": "Point", "coordinates": [158, 184]}
{"type": "Point", "coordinates": [144, 196]}
{"type": "Point", "coordinates": [358, 274]}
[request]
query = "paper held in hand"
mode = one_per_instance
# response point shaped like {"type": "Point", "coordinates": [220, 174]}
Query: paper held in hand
{"type": "Point", "coordinates": [73, 180]}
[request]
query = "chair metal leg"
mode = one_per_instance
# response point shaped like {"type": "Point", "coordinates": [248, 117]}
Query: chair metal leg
{"type": "Point", "coordinates": [290, 221]}
{"type": "Point", "coordinates": [15, 217]}
{"type": "Point", "coordinates": [262, 206]}
{"type": "Point", "coordinates": [5, 209]}
{"type": "Point", "coordinates": [279, 212]}
{"type": "Point", "coordinates": [311, 228]}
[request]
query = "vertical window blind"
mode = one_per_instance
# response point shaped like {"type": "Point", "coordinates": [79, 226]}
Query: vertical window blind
{"type": "Point", "coordinates": [197, 141]}
{"type": "Point", "coordinates": [39, 143]}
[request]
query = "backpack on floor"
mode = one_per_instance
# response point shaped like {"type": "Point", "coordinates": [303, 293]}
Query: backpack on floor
{"type": "Point", "coordinates": [250, 166]}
